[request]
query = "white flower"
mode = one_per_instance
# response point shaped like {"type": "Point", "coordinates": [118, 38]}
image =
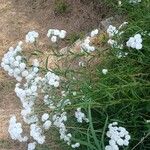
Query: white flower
{"type": "Point", "coordinates": [58, 121]}
{"type": "Point", "coordinates": [52, 79]}
{"type": "Point", "coordinates": [15, 130]}
{"type": "Point", "coordinates": [33, 88]}
{"type": "Point", "coordinates": [76, 145]}
{"type": "Point", "coordinates": [54, 34]}
{"type": "Point", "coordinates": [49, 32]}
{"type": "Point", "coordinates": [31, 37]}
{"type": "Point", "coordinates": [16, 71]}
{"type": "Point", "coordinates": [54, 39]}
{"type": "Point", "coordinates": [56, 84]}
{"type": "Point", "coordinates": [62, 34]}
{"type": "Point", "coordinates": [47, 124]}
{"type": "Point", "coordinates": [31, 146]}
{"type": "Point", "coordinates": [119, 136]}
{"type": "Point", "coordinates": [35, 69]}
{"type": "Point", "coordinates": [37, 133]}
{"type": "Point", "coordinates": [25, 73]}
{"type": "Point", "coordinates": [86, 45]}
{"type": "Point", "coordinates": [104, 71]}
{"type": "Point", "coordinates": [22, 66]}
{"type": "Point", "coordinates": [135, 42]}
{"type": "Point", "coordinates": [94, 32]}
{"type": "Point", "coordinates": [119, 3]}
{"type": "Point", "coordinates": [45, 116]}
{"type": "Point", "coordinates": [120, 142]}
{"type": "Point", "coordinates": [110, 147]}
{"type": "Point", "coordinates": [6, 67]}
{"type": "Point", "coordinates": [80, 116]}
{"type": "Point", "coordinates": [16, 63]}
{"type": "Point", "coordinates": [112, 31]}
{"type": "Point", "coordinates": [138, 46]}
{"type": "Point", "coordinates": [18, 58]}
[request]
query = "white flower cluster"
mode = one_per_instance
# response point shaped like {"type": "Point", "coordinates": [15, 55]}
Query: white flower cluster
{"type": "Point", "coordinates": [86, 44]}
{"type": "Point", "coordinates": [134, 1]}
{"type": "Point", "coordinates": [37, 133]}
{"type": "Point", "coordinates": [54, 34]}
{"type": "Point", "coordinates": [15, 130]}
{"type": "Point", "coordinates": [27, 95]}
{"type": "Point", "coordinates": [135, 42]}
{"type": "Point", "coordinates": [80, 116]}
{"type": "Point", "coordinates": [59, 121]}
{"type": "Point", "coordinates": [47, 123]}
{"type": "Point", "coordinates": [119, 136]}
{"type": "Point", "coordinates": [13, 63]}
{"type": "Point", "coordinates": [112, 31]}
{"type": "Point", "coordinates": [31, 36]}
{"type": "Point", "coordinates": [51, 79]}
{"type": "Point", "coordinates": [28, 91]}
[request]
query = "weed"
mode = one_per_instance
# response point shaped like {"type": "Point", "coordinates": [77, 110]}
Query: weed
{"type": "Point", "coordinates": [61, 7]}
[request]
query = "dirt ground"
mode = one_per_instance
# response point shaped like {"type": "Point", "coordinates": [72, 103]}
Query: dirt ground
{"type": "Point", "coordinates": [17, 17]}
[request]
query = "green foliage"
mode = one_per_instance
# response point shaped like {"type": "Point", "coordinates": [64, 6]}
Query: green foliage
{"type": "Point", "coordinates": [123, 94]}
{"type": "Point", "coordinates": [61, 7]}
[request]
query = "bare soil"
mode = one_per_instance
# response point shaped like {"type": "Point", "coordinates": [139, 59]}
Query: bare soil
{"type": "Point", "coordinates": [17, 17]}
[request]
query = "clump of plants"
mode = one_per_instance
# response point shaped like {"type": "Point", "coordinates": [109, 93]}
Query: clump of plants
{"type": "Point", "coordinates": [61, 7]}
{"type": "Point", "coordinates": [96, 96]}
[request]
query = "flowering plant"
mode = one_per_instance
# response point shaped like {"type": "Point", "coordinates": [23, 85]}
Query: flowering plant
{"type": "Point", "coordinates": [79, 99]}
